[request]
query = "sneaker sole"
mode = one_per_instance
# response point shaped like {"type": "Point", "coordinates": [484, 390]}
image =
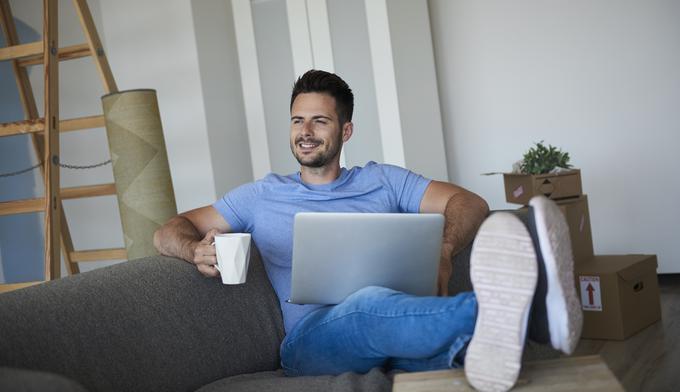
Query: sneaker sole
{"type": "Point", "coordinates": [503, 270]}
{"type": "Point", "coordinates": [565, 318]}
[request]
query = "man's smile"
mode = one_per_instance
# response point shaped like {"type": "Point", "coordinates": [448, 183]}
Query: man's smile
{"type": "Point", "coordinates": [307, 146]}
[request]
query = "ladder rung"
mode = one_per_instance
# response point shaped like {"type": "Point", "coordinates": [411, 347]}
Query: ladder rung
{"type": "Point", "coordinates": [25, 126]}
{"type": "Point", "coordinates": [88, 191]}
{"type": "Point", "coordinates": [37, 125]}
{"type": "Point", "coordinates": [38, 204]}
{"type": "Point", "coordinates": [16, 286]}
{"type": "Point", "coordinates": [76, 124]}
{"type": "Point", "coordinates": [99, 254]}
{"type": "Point", "coordinates": [23, 50]}
{"type": "Point", "coordinates": [65, 53]}
{"type": "Point", "coordinates": [22, 206]}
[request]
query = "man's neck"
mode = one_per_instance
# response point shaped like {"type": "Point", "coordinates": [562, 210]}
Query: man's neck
{"type": "Point", "coordinates": [320, 175]}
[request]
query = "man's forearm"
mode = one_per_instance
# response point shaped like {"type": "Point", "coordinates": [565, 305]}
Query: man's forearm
{"type": "Point", "coordinates": [177, 238]}
{"type": "Point", "coordinates": [464, 213]}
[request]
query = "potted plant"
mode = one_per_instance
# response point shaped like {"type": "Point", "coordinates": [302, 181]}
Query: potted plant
{"type": "Point", "coordinates": [542, 171]}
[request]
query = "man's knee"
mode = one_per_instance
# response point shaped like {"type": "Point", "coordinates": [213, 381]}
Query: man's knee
{"type": "Point", "coordinates": [373, 291]}
{"type": "Point", "coordinates": [368, 294]}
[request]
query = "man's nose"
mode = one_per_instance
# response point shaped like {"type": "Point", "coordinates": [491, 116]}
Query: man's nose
{"type": "Point", "coordinates": [307, 128]}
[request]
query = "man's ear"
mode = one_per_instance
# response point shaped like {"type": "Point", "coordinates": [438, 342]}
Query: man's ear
{"type": "Point", "coordinates": [347, 131]}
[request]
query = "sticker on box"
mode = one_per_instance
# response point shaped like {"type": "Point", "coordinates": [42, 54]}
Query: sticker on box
{"type": "Point", "coordinates": [518, 191]}
{"type": "Point", "coordinates": [591, 296]}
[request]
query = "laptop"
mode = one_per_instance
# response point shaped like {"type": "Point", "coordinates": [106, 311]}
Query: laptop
{"type": "Point", "coordinates": [336, 254]}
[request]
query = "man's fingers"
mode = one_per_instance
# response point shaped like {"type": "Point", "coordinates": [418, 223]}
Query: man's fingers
{"type": "Point", "coordinates": [208, 260]}
{"type": "Point", "coordinates": [205, 250]}
{"type": "Point", "coordinates": [207, 270]}
{"type": "Point", "coordinates": [210, 236]}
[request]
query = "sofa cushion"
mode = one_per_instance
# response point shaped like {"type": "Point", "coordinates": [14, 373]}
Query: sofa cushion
{"type": "Point", "coordinates": [153, 324]}
{"type": "Point", "coordinates": [373, 381]}
{"type": "Point", "coordinates": [22, 380]}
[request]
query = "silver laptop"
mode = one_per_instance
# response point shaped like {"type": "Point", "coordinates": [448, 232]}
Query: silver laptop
{"type": "Point", "coordinates": [336, 254]}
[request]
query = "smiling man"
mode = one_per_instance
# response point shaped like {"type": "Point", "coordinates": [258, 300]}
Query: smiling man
{"type": "Point", "coordinates": [317, 133]}
{"type": "Point", "coordinates": [377, 326]}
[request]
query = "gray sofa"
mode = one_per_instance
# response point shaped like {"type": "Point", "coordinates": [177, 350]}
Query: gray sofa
{"type": "Point", "coordinates": [156, 324]}
{"type": "Point", "coordinates": [153, 324]}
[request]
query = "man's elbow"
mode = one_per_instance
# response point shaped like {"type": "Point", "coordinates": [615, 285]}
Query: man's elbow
{"type": "Point", "coordinates": [477, 204]}
{"type": "Point", "coordinates": [483, 206]}
{"type": "Point", "coordinates": [157, 239]}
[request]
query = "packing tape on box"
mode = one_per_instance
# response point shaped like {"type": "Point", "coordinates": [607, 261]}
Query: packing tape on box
{"type": "Point", "coordinates": [146, 198]}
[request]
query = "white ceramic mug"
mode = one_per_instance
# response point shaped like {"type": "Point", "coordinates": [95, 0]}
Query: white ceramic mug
{"type": "Point", "coordinates": [233, 256]}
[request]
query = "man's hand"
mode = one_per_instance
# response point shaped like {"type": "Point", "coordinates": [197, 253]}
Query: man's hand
{"type": "Point", "coordinates": [181, 237]}
{"type": "Point", "coordinates": [204, 255]}
{"type": "Point", "coordinates": [445, 270]}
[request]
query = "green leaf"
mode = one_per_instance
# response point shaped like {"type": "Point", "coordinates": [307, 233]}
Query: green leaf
{"type": "Point", "coordinates": [541, 159]}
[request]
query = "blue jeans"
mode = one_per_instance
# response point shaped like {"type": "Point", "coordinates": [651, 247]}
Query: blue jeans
{"type": "Point", "coordinates": [377, 326]}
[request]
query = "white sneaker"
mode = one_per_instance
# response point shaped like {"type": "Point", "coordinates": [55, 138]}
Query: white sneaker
{"type": "Point", "coordinates": [504, 271]}
{"type": "Point", "coordinates": [558, 318]}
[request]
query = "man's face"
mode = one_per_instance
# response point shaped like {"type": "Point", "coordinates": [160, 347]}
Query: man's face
{"type": "Point", "coordinates": [316, 136]}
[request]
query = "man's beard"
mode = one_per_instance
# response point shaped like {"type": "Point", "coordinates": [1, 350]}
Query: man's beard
{"type": "Point", "coordinates": [321, 159]}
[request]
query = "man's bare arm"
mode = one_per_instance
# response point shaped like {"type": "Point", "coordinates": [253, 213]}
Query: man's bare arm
{"type": "Point", "coordinates": [189, 236]}
{"type": "Point", "coordinates": [464, 212]}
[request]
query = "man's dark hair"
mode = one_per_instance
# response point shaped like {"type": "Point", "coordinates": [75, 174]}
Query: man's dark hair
{"type": "Point", "coordinates": [315, 81]}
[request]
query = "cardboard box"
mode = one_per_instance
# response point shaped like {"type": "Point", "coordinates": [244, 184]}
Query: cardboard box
{"type": "Point", "coordinates": [619, 295]}
{"type": "Point", "coordinates": [520, 188]}
{"type": "Point", "coordinates": [576, 212]}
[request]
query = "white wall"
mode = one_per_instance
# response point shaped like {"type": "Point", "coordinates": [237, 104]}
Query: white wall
{"type": "Point", "coordinates": [417, 85]}
{"type": "Point", "coordinates": [275, 61]}
{"type": "Point", "coordinates": [384, 51]}
{"type": "Point", "coordinates": [151, 44]}
{"type": "Point", "coordinates": [221, 87]}
{"type": "Point", "coordinates": [352, 56]}
{"type": "Point", "coordinates": [601, 79]}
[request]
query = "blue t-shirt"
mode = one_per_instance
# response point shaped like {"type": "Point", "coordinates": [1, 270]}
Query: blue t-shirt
{"type": "Point", "coordinates": [266, 208]}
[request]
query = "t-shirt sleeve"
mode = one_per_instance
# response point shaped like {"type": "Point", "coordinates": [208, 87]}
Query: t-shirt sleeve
{"type": "Point", "coordinates": [237, 207]}
{"type": "Point", "coordinates": [409, 187]}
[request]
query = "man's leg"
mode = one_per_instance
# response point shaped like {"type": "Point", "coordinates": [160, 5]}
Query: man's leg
{"type": "Point", "coordinates": [356, 337]}
{"type": "Point", "coordinates": [494, 355]}
{"type": "Point", "coordinates": [376, 324]}
{"type": "Point", "coordinates": [557, 316]}
{"type": "Point", "coordinates": [504, 271]}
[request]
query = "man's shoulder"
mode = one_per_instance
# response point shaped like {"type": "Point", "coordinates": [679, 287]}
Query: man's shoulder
{"type": "Point", "coordinates": [380, 169]}
{"type": "Point", "coordinates": [263, 184]}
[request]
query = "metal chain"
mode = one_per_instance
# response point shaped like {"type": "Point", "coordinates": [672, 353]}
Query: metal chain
{"type": "Point", "coordinates": [64, 165]}
{"type": "Point", "coordinates": [67, 166]}
{"type": "Point", "coordinates": [16, 173]}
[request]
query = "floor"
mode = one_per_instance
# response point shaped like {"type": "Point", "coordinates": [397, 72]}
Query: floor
{"type": "Point", "coordinates": [649, 360]}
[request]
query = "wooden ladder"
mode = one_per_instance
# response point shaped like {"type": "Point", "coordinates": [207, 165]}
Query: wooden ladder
{"type": "Point", "coordinates": [45, 131]}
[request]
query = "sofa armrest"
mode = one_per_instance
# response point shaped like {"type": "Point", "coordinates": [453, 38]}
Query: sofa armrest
{"type": "Point", "coordinates": [148, 324]}
{"type": "Point", "coordinates": [460, 277]}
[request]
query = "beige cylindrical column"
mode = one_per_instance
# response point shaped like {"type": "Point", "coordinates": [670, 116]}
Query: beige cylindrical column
{"type": "Point", "coordinates": [140, 167]}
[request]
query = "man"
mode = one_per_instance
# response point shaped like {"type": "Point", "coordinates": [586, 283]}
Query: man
{"type": "Point", "coordinates": [377, 326]}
